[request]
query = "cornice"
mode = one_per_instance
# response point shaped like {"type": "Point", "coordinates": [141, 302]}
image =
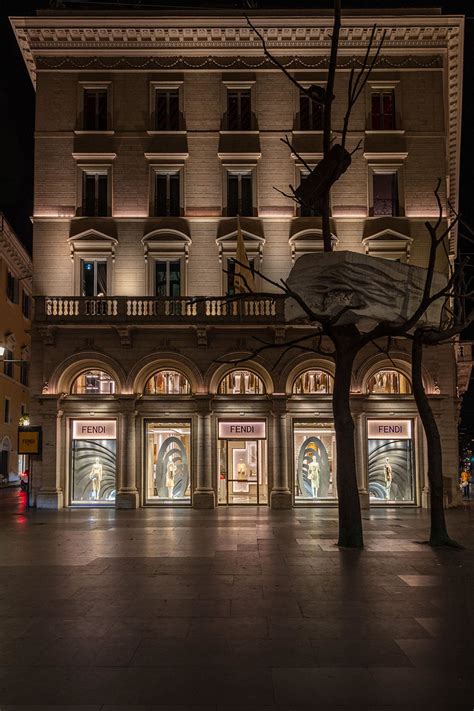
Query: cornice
{"type": "Point", "coordinates": [14, 252]}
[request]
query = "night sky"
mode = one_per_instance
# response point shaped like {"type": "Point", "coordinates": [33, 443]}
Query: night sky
{"type": "Point", "coordinates": [17, 109]}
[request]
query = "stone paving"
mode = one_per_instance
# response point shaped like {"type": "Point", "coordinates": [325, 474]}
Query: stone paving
{"type": "Point", "coordinates": [238, 608]}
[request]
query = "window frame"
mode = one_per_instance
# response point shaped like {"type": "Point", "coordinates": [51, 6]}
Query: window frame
{"type": "Point", "coordinates": [155, 86]}
{"type": "Point", "coordinates": [26, 301]}
{"type": "Point", "coordinates": [239, 85]}
{"type": "Point", "coordinates": [167, 260]}
{"type": "Point", "coordinates": [384, 169]}
{"type": "Point", "coordinates": [12, 293]}
{"type": "Point", "coordinates": [8, 363]}
{"type": "Point", "coordinates": [379, 86]}
{"type": "Point", "coordinates": [240, 171]}
{"type": "Point", "coordinates": [7, 411]}
{"type": "Point", "coordinates": [84, 86]}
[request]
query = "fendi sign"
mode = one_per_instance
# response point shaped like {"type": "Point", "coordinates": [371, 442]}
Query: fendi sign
{"type": "Point", "coordinates": [389, 429]}
{"type": "Point", "coordinates": [94, 429]}
{"type": "Point", "coordinates": [242, 430]}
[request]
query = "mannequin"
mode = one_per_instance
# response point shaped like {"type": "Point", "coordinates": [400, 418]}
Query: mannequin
{"type": "Point", "coordinates": [170, 474]}
{"type": "Point", "coordinates": [241, 469]}
{"type": "Point", "coordinates": [313, 476]}
{"type": "Point", "coordinates": [96, 477]}
{"type": "Point", "coordinates": [387, 470]}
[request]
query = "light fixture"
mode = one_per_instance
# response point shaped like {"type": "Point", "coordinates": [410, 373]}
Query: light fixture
{"type": "Point", "coordinates": [2, 350]}
{"type": "Point", "coordinates": [242, 414]}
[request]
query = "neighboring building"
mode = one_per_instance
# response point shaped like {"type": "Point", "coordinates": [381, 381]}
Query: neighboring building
{"type": "Point", "coordinates": [152, 133]}
{"type": "Point", "coordinates": [15, 324]}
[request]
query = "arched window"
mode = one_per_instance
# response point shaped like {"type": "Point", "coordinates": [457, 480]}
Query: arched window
{"type": "Point", "coordinates": [94, 382]}
{"type": "Point", "coordinates": [388, 382]}
{"type": "Point", "coordinates": [167, 382]}
{"type": "Point", "coordinates": [241, 382]}
{"type": "Point", "coordinates": [313, 382]}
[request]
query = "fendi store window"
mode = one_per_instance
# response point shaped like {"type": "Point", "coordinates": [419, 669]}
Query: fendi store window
{"type": "Point", "coordinates": [93, 462]}
{"type": "Point", "coordinates": [167, 462]}
{"type": "Point", "coordinates": [314, 462]}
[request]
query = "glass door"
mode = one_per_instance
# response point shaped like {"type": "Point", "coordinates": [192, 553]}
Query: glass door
{"type": "Point", "coordinates": [242, 475]}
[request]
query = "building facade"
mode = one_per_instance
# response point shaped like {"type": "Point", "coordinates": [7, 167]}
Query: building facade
{"type": "Point", "coordinates": [15, 325]}
{"type": "Point", "coordinates": [153, 132]}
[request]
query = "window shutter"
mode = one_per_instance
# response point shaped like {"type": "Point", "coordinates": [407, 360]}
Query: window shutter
{"type": "Point", "coordinates": [232, 195]}
{"type": "Point", "coordinates": [160, 195]}
{"type": "Point", "coordinates": [174, 195]}
{"type": "Point", "coordinates": [247, 200]}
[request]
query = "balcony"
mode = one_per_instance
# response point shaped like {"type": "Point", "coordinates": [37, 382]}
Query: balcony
{"type": "Point", "coordinates": [152, 310]}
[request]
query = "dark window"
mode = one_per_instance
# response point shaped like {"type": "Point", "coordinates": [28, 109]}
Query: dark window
{"type": "Point", "coordinates": [167, 196]}
{"type": "Point", "coordinates": [239, 110]}
{"type": "Point", "coordinates": [6, 411]}
{"type": "Point", "coordinates": [167, 110]}
{"type": "Point", "coordinates": [95, 195]}
{"type": "Point", "coordinates": [383, 111]}
{"type": "Point", "coordinates": [93, 277]}
{"type": "Point", "coordinates": [95, 109]}
{"type": "Point", "coordinates": [12, 288]}
{"type": "Point", "coordinates": [8, 363]}
{"type": "Point", "coordinates": [24, 372]}
{"type": "Point", "coordinates": [26, 305]}
{"type": "Point", "coordinates": [231, 274]}
{"type": "Point", "coordinates": [385, 189]}
{"type": "Point", "coordinates": [311, 114]}
{"type": "Point", "coordinates": [168, 278]}
{"type": "Point", "coordinates": [239, 194]}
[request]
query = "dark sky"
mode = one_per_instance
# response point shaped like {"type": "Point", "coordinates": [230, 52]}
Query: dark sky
{"type": "Point", "coordinates": [17, 109]}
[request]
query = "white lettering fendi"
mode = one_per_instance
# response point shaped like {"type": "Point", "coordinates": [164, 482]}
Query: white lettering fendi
{"type": "Point", "coordinates": [241, 429]}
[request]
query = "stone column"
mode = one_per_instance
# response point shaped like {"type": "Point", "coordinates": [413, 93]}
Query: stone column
{"type": "Point", "coordinates": [127, 494]}
{"type": "Point", "coordinates": [280, 497]}
{"type": "Point", "coordinates": [362, 461]}
{"type": "Point", "coordinates": [46, 472]}
{"type": "Point", "coordinates": [204, 496]}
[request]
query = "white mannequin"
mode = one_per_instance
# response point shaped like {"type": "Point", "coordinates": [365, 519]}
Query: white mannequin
{"type": "Point", "coordinates": [313, 476]}
{"type": "Point", "coordinates": [387, 470]}
{"type": "Point", "coordinates": [241, 470]}
{"type": "Point", "coordinates": [96, 477]}
{"type": "Point", "coordinates": [170, 473]}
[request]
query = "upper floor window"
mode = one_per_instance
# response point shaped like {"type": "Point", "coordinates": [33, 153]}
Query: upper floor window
{"type": "Point", "coordinates": [230, 269]}
{"type": "Point", "coordinates": [24, 372]}
{"type": "Point", "coordinates": [241, 382]}
{"type": "Point", "coordinates": [6, 411]}
{"type": "Point", "coordinates": [311, 114]}
{"type": "Point", "coordinates": [167, 382]}
{"type": "Point", "coordinates": [26, 305]}
{"type": "Point", "coordinates": [388, 382]}
{"type": "Point", "coordinates": [313, 382]}
{"type": "Point", "coordinates": [12, 288]}
{"type": "Point", "coordinates": [167, 114]}
{"type": "Point", "coordinates": [168, 277]}
{"type": "Point", "coordinates": [8, 363]}
{"type": "Point", "coordinates": [95, 109]}
{"type": "Point", "coordinates": [239, 110]}
{"type": "Point", "coordinates": [385, 194]}
{"type": "Point", "coordinates": [93, 382]}
{"type": "Point", "coordinates": [239, 194]}
{"type": "Point", "coordinates": [305, 210]}
{"type": "Point", "coordinates": [93, 277]}
{"type": "Point", "coordinates": [95, 198]}
{"type": "Point", "coordinates": [383, 110]}
{"type": "Point", "coordinates": [167, 200]}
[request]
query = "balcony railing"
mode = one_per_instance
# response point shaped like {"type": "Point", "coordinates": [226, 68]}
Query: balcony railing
{"type": "Point", "coordinates": [144, 309]}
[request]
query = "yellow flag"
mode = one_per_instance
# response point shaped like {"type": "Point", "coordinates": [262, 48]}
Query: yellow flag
{"type": "Point", "coordinates": [243, 277]}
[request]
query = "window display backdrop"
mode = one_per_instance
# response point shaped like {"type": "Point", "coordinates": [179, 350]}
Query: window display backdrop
{"type": "Point", "coordinates": [391, 470]}
{"type": "Point", "coordinates": [314, 462]}
{"type": "Point", "coordinates": [93, 461]}
{"type": "Point", "coordinates": [168, 462]}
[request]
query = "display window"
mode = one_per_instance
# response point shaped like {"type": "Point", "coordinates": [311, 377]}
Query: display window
{"type": "Point", "coordinates": [168, 466]}
{"type": "Point", "coordinates": [241, 382]}
{"type": "Point", "coordinates": [390, 466]}
{"type": "Point", "coordinates": [167, 382]}
{"type": "Point", "coordinates": [94, 382]}
{"type": "Point", "coordinates": [388, 382]}
{"type": "Point", "coordinates": [313, 382]}
{"type": "Point", "coordinates": [93, 462]}
{"type": "Point", "coordinates": [314, 462]}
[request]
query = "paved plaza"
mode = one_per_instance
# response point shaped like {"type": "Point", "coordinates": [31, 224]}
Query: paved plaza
{"type": "Point", "coordinates": [237, 608]}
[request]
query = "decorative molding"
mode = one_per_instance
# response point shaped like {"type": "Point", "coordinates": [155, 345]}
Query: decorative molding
{"type": "Point", "coordinates": [201, 335]}
{"type": "Point", "coordinates": [125, 335]}
{"type": "Point", "coordinates": [14, 253]}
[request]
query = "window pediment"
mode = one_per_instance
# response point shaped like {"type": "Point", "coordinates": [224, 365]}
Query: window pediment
{"type": "Point", "coordinates": [86, 238]}
{"type": "Point", "coordinates": [167, 236]}
{"type": "Point", "coordinates": [252, 232]}
{"type": "Point", "coordinates": [306, 236]}
{"type": "Point", "coordinates": [388, 238]}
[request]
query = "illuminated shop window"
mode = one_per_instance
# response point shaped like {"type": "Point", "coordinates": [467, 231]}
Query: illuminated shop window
{"type": "Point", "coordinates": [168, 462]}
{"type": "Point", "coordinates": [167, 382]}
{"type": "Point", "coordinates": [241, 382]}
{"type": "Point", "coordinates": [314, 448]}
{"type": "Point", "coordinates": [94, 382]}
{"type": "Point", "coordinates": [389, 382]}
{"type": "Point", "coordinates": [93, 462]}
{"type": "Point", "coordinates": [313, 382]}
{"type": "Point", "coordinates": [391, 469]}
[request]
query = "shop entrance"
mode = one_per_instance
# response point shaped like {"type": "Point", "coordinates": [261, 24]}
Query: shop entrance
{"type": "Point", "coordinates": [243, 477]}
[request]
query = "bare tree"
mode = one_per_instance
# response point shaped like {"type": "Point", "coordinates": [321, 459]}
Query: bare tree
{"type": "Point", "coordinates": [314, 191]}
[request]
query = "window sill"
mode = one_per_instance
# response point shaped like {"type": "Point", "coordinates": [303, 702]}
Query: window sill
{"type": "Point", "coordinates": [384, 131]}
{"type": "Point", "coordinates": [94, 133]}
{"type": "Point", "coordinates": [239, 131]}
{"type": "Point", "coordinates": [311, 132]}
{"type": "Point", "coordinates": [167, 132]}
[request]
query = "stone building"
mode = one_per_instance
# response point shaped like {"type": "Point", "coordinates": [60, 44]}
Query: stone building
{"type": "Point", "coordinates": [153, 132]}
{"type": "Point", "coordinates": [15, 325]}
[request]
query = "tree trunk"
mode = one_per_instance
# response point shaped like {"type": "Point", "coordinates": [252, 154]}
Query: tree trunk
{"type": "Point", "coordinates": [326, 223]}
{"type": "Point", "coordinates": [439, 533]}
{"type": "Point", "coordinates": [350, 521]}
